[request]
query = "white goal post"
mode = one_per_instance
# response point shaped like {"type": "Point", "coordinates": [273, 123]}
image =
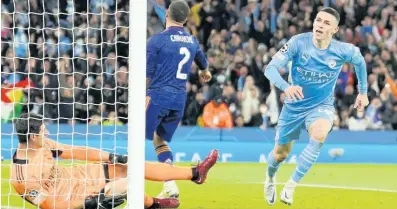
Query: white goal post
{"type": "Point", "coordinates": [136, 102]}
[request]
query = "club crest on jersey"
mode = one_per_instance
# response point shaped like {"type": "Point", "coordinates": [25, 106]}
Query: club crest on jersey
{"type": "Point", "coordinates": [33, 194]}
{"type": "Point", "coordinates": [284, 49]}
{"type": "Point", "coordinates": [331, 63]}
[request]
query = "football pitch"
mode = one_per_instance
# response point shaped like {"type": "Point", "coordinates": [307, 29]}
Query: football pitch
{"type": "Point", "coordinates": [240, 186]}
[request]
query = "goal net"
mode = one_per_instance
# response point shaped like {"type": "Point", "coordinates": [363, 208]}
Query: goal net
{"type": "Point", "coordinates": [70, 62]}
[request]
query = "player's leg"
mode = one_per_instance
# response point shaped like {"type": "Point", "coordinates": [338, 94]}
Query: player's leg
{"type": "Point", "coordinates": [155, 172]}
{"type": "Point", "coordinates": [274, 160]}
{"type": "Point", "coordinates": [163, 151]}
{"type": "Point", "coordinates": [318, 123]}
{"type": "Point", "coordinates": [117, 181]}
{"type": "Point", "coordinates": [154, 115]}
{"type": "Point", "coordinates": [166, 172]}
{"type": "Point", "coordinates": [162, 136]}
{"type": "Point", "coordinates": [275, 157]}
{"type": "Point", "coordinates": [163, 172]}
{"type": "Point", "coordinates": [288, 129]}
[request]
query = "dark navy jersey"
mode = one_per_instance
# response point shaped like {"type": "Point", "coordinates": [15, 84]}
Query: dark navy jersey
{"type": "Point", "coordinates": [169, 58]}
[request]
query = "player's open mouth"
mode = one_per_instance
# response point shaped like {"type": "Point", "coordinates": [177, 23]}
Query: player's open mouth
{"type": "Point", "coordinates": [319, 32]}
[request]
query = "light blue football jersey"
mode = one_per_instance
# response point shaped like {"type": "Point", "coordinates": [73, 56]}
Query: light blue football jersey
{"type": "Point", "coordinates": [315, 70]}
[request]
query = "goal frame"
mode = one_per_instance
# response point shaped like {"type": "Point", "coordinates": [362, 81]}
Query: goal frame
{"type": "Point", "coordinates": [136, 103]}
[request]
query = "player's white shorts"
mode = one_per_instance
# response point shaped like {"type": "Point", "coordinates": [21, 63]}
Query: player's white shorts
{"type": "Point", "coordinates": [291, 122]}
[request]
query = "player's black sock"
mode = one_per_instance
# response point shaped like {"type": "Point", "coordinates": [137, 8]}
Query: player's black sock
{"type": "Point", "coordinates": [195, 174]}
{"type": "Point", "coordinates": [155, 205]}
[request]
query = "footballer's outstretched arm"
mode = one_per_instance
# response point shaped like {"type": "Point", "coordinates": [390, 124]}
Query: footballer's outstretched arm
{"type": "Point", "coordinates": [360, 67]}
{"type": "Point", "coordinates": [279, 60]}
{"type": "Point", "coordinates": [152, 52]}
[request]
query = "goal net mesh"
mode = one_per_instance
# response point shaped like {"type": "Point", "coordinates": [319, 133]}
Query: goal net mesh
{"type": "Point", "coordinates": [66, 60]}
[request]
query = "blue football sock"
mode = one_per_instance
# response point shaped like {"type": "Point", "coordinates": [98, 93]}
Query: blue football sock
{"type": "Point", "coordinates": [306, 159]}
{"type": "Point", "coordinates": [272, 165]}
{"type": "Point", "coordinates": [164, 154]}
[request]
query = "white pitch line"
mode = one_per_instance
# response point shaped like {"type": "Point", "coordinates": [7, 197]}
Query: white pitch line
{"type": "Point", "coordinates": [325, 186]}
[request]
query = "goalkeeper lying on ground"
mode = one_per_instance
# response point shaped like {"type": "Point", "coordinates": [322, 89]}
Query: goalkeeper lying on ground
{"type": "Point", "coordinates": [40, 180]}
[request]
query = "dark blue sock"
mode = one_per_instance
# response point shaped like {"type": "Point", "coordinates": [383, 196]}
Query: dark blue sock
{"type": "Point", "coordinates": [164, 154]}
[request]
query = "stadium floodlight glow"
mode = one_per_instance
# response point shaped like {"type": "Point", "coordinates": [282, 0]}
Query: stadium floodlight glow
{"type": "Point", "coordinates": [136, 103]}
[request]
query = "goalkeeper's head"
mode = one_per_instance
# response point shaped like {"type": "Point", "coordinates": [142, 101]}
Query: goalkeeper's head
{"type": "Point", "coordinates": [177, 13]}
{"type": "Point", "coordinates": [30, 128]}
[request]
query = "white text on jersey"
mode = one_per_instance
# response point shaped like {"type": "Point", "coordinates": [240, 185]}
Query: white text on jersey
{"type": "Point", "coordinates": [185, 39]}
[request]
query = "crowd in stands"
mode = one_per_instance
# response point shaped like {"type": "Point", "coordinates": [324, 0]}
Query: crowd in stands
{"type": "Point", "coordinates": [78, 62]}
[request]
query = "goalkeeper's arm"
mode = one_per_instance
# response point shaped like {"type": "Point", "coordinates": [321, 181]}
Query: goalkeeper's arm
{"type": "Point", "coordinates": [85, 153]}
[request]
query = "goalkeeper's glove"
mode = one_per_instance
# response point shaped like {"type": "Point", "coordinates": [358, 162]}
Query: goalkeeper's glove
{"type": "Point", "coordinates": [102, 202]}
{"type": "Point", "coordinates": [114, 158]}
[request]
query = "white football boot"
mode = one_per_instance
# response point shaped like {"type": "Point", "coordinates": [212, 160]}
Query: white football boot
{"type": "Point", "coordinates": [170, 190]}
{"type": "Point", "coordinates": [270, 190]}
{"type": "Point", "coordinates": [286, 195]}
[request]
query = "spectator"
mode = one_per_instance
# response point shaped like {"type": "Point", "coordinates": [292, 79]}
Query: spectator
{"type": "Point", "coordinates": [357, 122]}
{"type": "Point", "coordinates": [194, 110]}
{"type": "Point", "coordinates": [112, 120]}
{"type": "Point", "coordinates": [390, 116]}
{"type": "Point", "coordinates": [217, 115]}
{"type": "Point", "coordinates": [250, 103]}
{"type": "Point", "coordinates": [373, 114]}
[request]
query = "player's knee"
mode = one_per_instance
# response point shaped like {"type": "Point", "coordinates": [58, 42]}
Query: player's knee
{"type": "Point", "coordinates": [319, 135]}
{"type": "Point", "coordinates": [281, 151]}
{"type": "Point", "coordinates": [319, 130]}
{"type": "Point", "coordinates": [157, 140]}
{"type": "Point", "coordinates": [281, 156]}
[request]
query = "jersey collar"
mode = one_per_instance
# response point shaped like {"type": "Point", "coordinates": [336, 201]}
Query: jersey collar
{"type": "Point", "coordinates": [18, 161]}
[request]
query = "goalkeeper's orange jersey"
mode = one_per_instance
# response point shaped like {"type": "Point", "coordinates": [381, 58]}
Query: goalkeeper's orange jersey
{"type": "Point", "coordinates": [42, 181]}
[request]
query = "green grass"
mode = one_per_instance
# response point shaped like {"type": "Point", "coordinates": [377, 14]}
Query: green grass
{"type": "Point", "coordinates": [238, 186]}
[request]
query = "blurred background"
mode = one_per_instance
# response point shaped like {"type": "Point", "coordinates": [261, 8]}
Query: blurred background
{"type": "Point", "coordinates": [74, 66]}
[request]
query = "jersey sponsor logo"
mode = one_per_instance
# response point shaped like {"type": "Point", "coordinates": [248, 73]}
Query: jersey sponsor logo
{"type": "Point", "coordinates": [52, 179]}
{"type": "Point", "coordinates": [316, 77]}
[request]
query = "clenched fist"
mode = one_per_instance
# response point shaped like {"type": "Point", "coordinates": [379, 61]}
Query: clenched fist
{"type": "Point", "coordinates": [205, 75]}
{"type": "Point", "coordinates": [361, 102]}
